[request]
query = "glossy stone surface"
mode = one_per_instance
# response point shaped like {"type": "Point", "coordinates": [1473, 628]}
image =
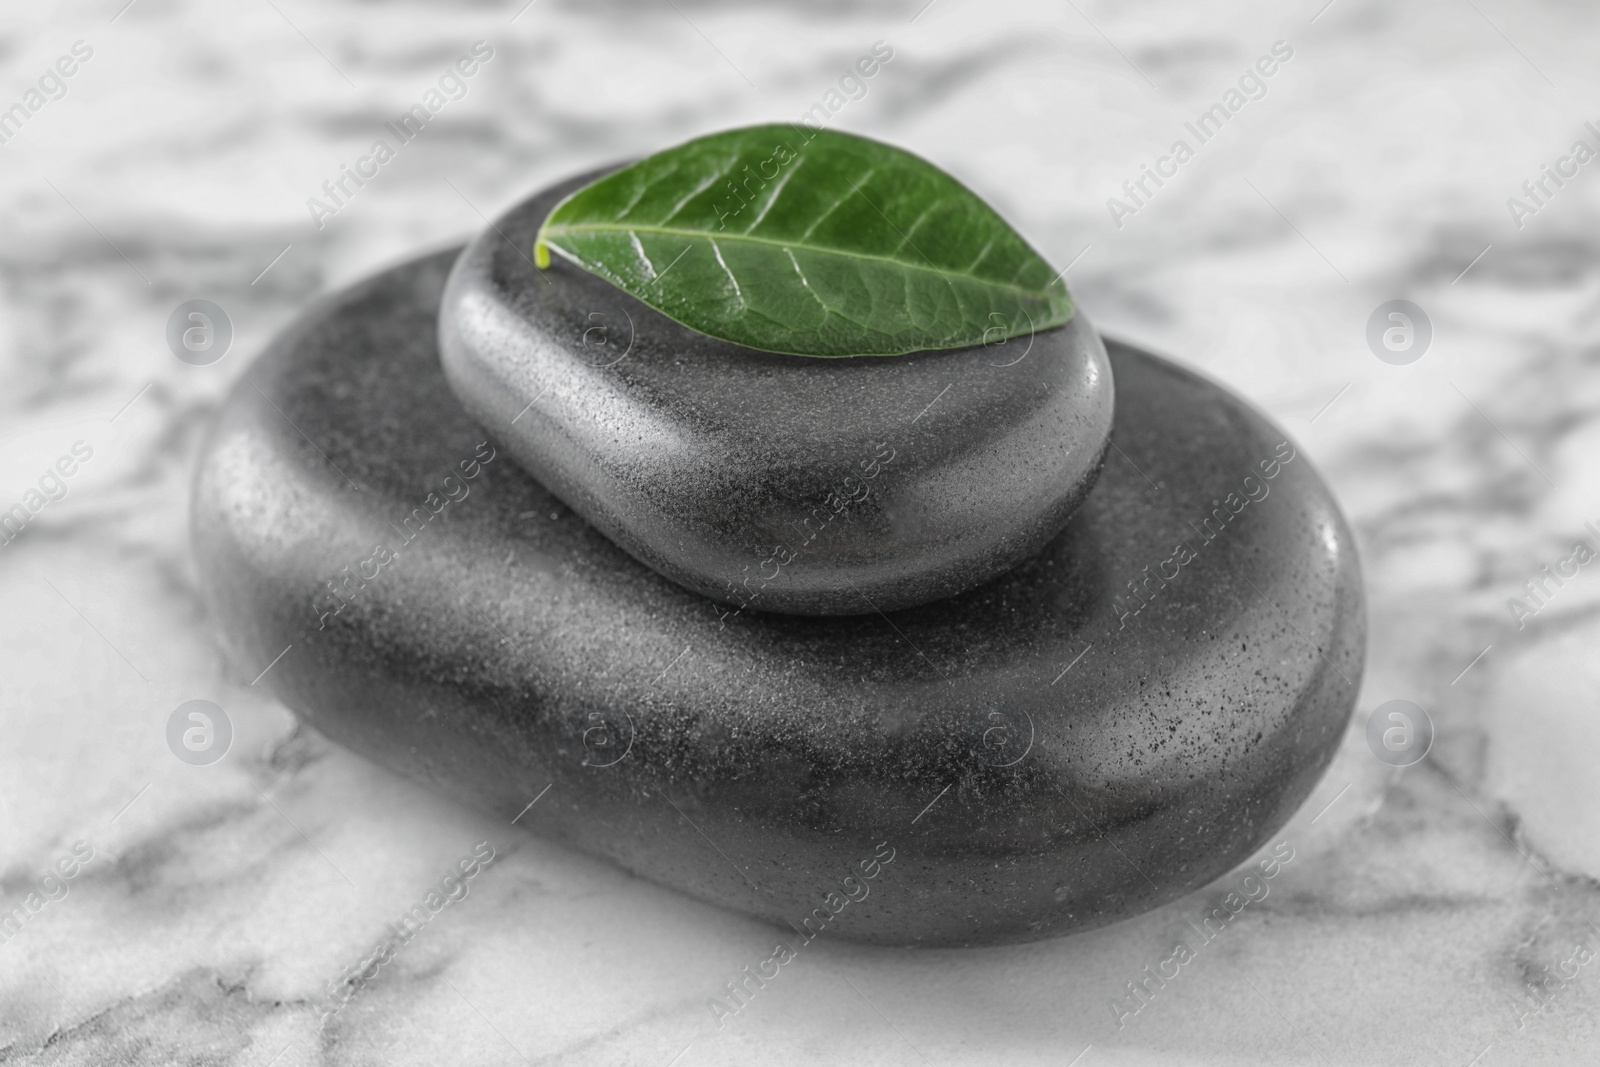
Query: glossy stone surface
{"type": "Point", "coordinates": [801, 485]}
{"type": "Point", "coordinates": [1039, 756]}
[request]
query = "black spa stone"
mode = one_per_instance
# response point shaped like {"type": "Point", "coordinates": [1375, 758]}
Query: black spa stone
{"type": "Point", "coordinates": [793, 484]}
{"type": "Point", "coordinates": [1049, 752]}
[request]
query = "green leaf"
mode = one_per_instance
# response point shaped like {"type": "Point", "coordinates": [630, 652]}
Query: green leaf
{"type": "Point", "coordinates": [812, 242]}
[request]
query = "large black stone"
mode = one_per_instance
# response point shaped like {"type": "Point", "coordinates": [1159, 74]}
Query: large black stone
{"type": "Point", "coordinates": [1083, 761]}
{"type": "Point", "coordinates": [793, 484]}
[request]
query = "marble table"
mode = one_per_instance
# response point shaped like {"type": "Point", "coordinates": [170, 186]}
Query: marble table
{"type": "Point", "coordinates": [1441, 913]}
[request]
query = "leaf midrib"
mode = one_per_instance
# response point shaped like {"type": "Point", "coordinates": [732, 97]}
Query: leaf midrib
{"type": "Point", "coordinates": [670, 231]}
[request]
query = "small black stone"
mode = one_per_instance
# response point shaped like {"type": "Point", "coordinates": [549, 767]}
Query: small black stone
{"type": "Point", "coordinates": [787, 483]}
{"type": "Point", "coordinates": [1047, 753]}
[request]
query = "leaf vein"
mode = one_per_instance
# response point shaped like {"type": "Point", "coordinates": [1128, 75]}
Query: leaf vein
{"type": "Point", "coordinates": [925, 267]}
{"type": "Point", "coordinates": [696, 191]}
{"type": "Point", "coordinates": [837, 204]}
{"type": "Point", "coordinates": [805, 283]}
{"type": "Point", "coordinates": [773, 199]}
{"type": "Point", "coordinates": [737, 292]}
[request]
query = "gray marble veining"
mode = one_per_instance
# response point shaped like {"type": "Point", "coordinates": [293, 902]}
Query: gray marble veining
{"type": "Point", "coordinates": [1425, 909]}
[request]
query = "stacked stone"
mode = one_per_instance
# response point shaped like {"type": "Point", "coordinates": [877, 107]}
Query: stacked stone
{"type": "Point", "coordinates": [740, 619]}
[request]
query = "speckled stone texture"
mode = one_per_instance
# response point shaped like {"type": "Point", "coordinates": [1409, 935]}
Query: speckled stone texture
{"type": "Point", "coordinates": [785, 483]}
{"type": "Point", "coordinates": [1047, 753]}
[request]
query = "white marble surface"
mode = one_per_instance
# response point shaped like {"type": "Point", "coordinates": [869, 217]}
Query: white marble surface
{"type": "Point", "coordinates": [221, 900]}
